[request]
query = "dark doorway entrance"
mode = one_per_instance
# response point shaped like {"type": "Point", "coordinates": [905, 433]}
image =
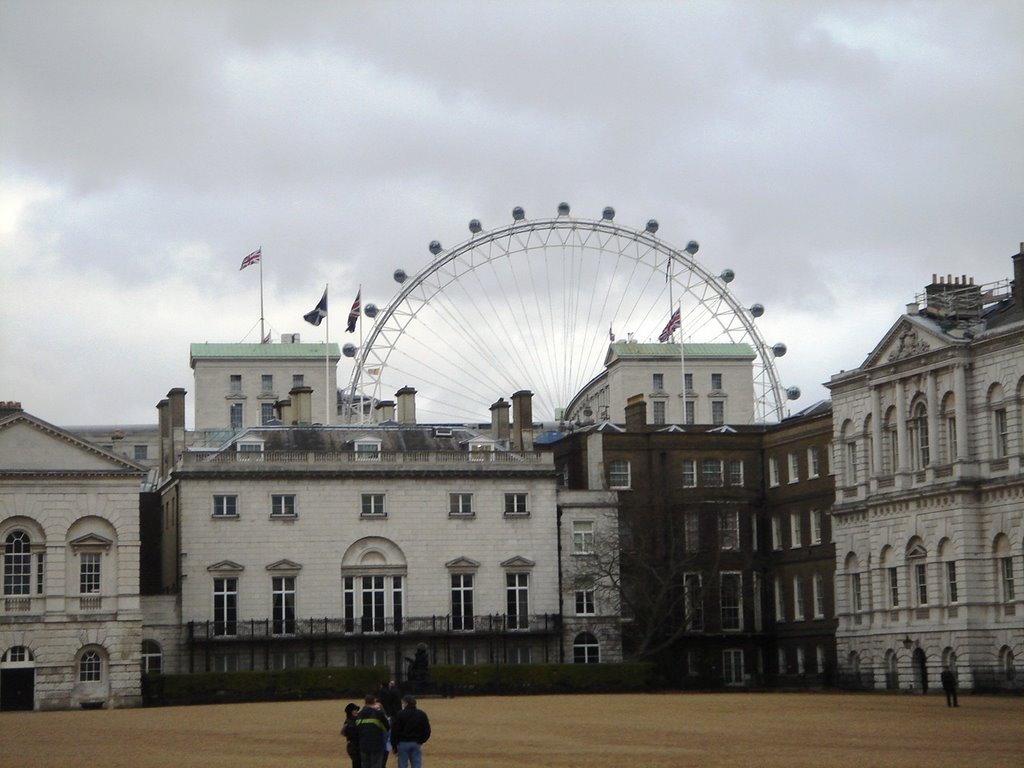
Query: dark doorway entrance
{"type": "Point", "coordinates": [17, 689]}
{"type": "Point", "coordinates": [920, 670]}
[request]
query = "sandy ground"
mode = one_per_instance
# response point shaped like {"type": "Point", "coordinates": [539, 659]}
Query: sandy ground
{"type": "Point", "coordinates": [613, 731]}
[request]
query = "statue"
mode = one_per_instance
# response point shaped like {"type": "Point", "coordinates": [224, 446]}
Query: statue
{"type": "Point", "coordinates": [418, 666]}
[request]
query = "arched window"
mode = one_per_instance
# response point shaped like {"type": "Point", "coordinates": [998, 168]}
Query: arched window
{"type": "Point", "coordinates": [90, 667]}
{"type": "Point", "coordinates": [949, 436]}
{"type": "Point", "coordinates": [1004, 569]}
{"type": "Point", "coordinates": [849, 440]}
{"type": "Point", "coordinates": [152, 659]}
{"type": "Point", "coordinates": [892, 675]}
{"type": "Point", "coordinates": [586, 649]}
{"type": "Point", "coordinates": [17, 564]}
{"type": "Point", "coordinates": [919, 436]}
{"type": "Point", "coordinates": [891, 449]}
{"type": "Point", "coordinates": [950, 585]}
{"type": "Point", "coordinates": [1006, 664]}
{"type": "Point", "coordinates": [999, 423]}
{"type": "Point", "coordinates": [917, 571]}
{"type": "Point", "coordinates": [855, 603]}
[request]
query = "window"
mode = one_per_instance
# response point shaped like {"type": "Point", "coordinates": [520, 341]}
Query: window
{"type": "Point", "coordinates": [951, 589]}
{"type": "Point", "coordinates": [732, 667]}
{"type": "Point", "coordinates": [515, 504]}
{"type": "Point", "coordinates": [690, 415]}
{"type": "Point", "coordinates": [851, 462]}
{"type": "Point", "coordinates": [140, 452]}
{"type": "Point", "coordinates": [582, 537]}
{"type": "Point", "coordinates": [266, 413]}
{"type": "Point", "coordinates": [773, 471]}
{"type": "Point", "coordinates": [282, 505]}
{"type": "Point", "coordinates": [235, 415]}
{"type": "Point", "coordinates": [951, 438]}
{"type": "Point", "coordinates": [40, 572]}
{"type": "Point", "coordinates": [798, 600]}
{"type": "Point", "coordinates": [776, 532]}
{"type": "Point", "coordinates": [815, 526]}
{"type": "Point", "coordinates": [856, 603]}
{"type": "Point", "coordinates": [225, 606]}
{"type": "Point", "coordinates": [794, 468]}
{"type": "Point", "coordinates": [718, 412]}
{"type": "Point", "coordinates": [796, 538]}
{"type": "Point", "coordinates": [89, 573]}
{"type": "Point", "coordinates": [735, 472]}
{"type": "Point", "coordinates": [517, 593]}
{"type": "Point", "coordinates": [688, 382]}
{"type": "Point", "coordinates": [267, 382]}
{"type": "Point", "coordinates": [921, 581]}
{"type": "Point", "coordinates": [364, 597]}
{"type": "Point", "coordinates": [235, 383]}
{"type": "Point", "coordinates": [367, 450]}
{"type": "Point", "coordinates": [818, 584]}
{"type": "Point", "coordinates": [585, 649]}
{"type": "Point", "coordinates": [813, 465]}
{"type": "Point", "coordinates": [1006, 569]}
{"type": "Point", "coordinates": [373, 505]}
{"type": "Point", "coordinates": [152, 659]}
{"type": "Point", "coordinates": [801, 663]}
{"type": "Point", "coordinates": [90, 667]}
{"type": "Point", "coordinates": [372, 594]}
{"type": "Point", "coordinates": [691, 521]}
{"type": "Point", "coordinates": [1001, 436]}
{"type": "Point", "coordinates": [17, 564]}
{"type": "Point", "coordinates": [694, 602]}
{"type": "Point", "coordinates": [464, 655]}
{"type": "Point", "coordinates": [659, 411]}
{"type": "Point", "coordinates": [819, 658]}
{"type": "Point", "coordinates": [780, 601]}
{"type": "Point", "coordinates": [283, 595]}
{"type": "Point", "coordinates": [689, 473]}
{"type": "Point", "coordinates": [618, 474]}
{"type": "Point", "coordinates": [731, 601]}
{"type": "Point", "coordinates": [585, 602]}
{"type": "Point", "coordinates": [460, 504]}
{"type": "Point", "coordinates": [711, 473]}
{"type": "Point", "coordinates": [919, 436]}
{"type": "Point", "coordinates": [729, 529]}
{"type": "Point", "coordinates": [225, 505]}
{"type": "Point", "coordinates": [716, 381]}
{"type": "Point", "coordinates": [658, 382]}
{"type": "Point", "coordinates": [462, 601]}
{"type": "Point", "coordinates": [894, 587]}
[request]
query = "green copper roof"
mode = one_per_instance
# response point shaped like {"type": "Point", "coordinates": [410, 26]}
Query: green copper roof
{"type": "Point", "coordinates": [261, 351]}
{"type": "Point", "coordinates": [625, 349]}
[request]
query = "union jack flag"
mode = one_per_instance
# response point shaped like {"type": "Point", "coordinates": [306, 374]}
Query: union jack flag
{"type": "Point", "coordinates": [353, 314]}
{"type": "Point", "coordinates": [252, 258]}
{"type": "Point", "coordinates": [670, 328]}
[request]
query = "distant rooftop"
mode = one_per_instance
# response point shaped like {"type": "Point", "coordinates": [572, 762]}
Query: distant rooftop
{"type": "Point", "coordinates": [626, 349]}
{"type": "Point", "coordinates": [207, 351]}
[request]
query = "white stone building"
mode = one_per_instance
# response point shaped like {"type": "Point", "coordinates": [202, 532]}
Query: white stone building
{"type": "Point", "coordinates": [929, 515]}
{"type": "Point", "coordinates": [70, 618]}
{"type": "Point", "coordinates": [718, 377]}
{"type": "Point", "coordinates": [238, 385]}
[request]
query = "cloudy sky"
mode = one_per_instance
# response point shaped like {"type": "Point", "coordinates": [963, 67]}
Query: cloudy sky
{"type": "Point", "coordinates": [834, 154]}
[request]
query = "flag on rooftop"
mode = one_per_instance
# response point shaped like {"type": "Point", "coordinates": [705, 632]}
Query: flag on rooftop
{"type": "Point", "coordinates": [319, 312]}
{"type": "Point", "coordinates": [266, 339]}
{"type": "Point", "coordinates": [611, 334]}
{"type": "Point", "coordinates": [671, 327]}
{"type": "Point", "coordinates": [252, 258]}
{"type": "Point", "coordinates": [353, 314]}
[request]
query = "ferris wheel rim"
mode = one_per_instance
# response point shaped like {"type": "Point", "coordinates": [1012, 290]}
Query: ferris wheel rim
{"type": "Point", "coordinates": [369, 351]}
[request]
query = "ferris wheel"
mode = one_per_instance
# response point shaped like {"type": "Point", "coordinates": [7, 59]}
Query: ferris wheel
{"type": "Point", "coordinates": [533, 306]}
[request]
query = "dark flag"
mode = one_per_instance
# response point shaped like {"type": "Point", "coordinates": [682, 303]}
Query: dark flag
{"type": "Point", "coordinates": [353, 314]}
{"type": "Point", "coordinates": [319, 312]}
{"type": "Point", "coordinates": [670, 328]}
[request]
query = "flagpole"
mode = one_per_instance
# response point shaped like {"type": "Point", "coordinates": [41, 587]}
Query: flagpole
{"type": "Point", "coordinates": [327, 365]}
{"type": "Point", "coordinates": [263, 334]}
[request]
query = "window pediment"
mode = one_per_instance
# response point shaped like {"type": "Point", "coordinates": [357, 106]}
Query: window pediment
{"type": "Point", "coordinates": [91, 541]}
{"type": "Point", "coordinates": [462, 564]}
{"type": "Point", "coordinates": [284, 566]}
{"type": "Point", "coordinates": [917, 550]}
{"type": "Point", "coordinates": [226, 566]}
{"type": "Point", "coordinates": [518, 562]}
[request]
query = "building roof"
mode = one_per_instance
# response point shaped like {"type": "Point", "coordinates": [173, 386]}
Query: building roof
{"type": "Point", "coordinates": [217, 351]}
{"type": "Point", "coordinates": [624, 350]}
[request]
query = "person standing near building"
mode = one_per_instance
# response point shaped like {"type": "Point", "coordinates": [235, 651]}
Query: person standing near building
{"type": "Point", "coordinates": [410, 730]}
{"type": "Point", "coordinates": [348, 730]}
{"type": "Point", "coordinates": [948, 678]}
{"type": "Point", "coordinates": [371, 733]}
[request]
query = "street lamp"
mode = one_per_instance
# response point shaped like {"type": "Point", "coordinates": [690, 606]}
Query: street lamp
{"type": "Point", "coordinates": [908, 643]}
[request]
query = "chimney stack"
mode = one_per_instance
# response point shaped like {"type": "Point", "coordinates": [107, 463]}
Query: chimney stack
{"type": "Point", "coordinates": [385, 411]}
{"type": "Point", "coordinates": [406, 397]}
{"type": "Point", "coordinates": [522, 421]}
{"type": "Point", "coordinates": [9, 407]}
{"type": "Point", "coordinates": [636, 413]}
{"type": "Point", "coordinates": [499, 421]}
{"type": "Point", "coordinates": [284, 411]}
{"type": "Point", "coordinates": [1018, 278]}
{"type": "Point", "coordinates": [302, 404]}
{"type": "Point", "coordinates": [164, 427]}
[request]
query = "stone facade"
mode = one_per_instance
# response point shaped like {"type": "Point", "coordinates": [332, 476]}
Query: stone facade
{"type": "Point", "coordinates": [928, 521]}
{"type": "Point", "coordinates": [70, 619]}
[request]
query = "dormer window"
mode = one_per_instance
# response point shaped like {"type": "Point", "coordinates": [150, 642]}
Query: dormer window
{"type": "Point", "coordinates": [367, 450]}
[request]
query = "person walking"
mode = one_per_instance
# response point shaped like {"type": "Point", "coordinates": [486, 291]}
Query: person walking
{"type": "Point", "coordinates": [348, 730]}
{"type": "Point", "coordinates": [948, 678]}
{"type": "Point", "coordinates": [371, 733]}
{"type": "Point", "coordinates": [410, 730]}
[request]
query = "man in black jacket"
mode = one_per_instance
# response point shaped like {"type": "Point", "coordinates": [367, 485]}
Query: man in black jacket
{"type": "Point", "coordinates": [410, 730]}
{"type": "Point", "coordinates": [371, 733]}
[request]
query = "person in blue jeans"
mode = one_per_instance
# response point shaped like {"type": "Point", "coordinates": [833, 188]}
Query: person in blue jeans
{"type": "Point", "coordinates": [410, 730]}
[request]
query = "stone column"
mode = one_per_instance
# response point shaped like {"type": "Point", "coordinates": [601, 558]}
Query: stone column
{"type": "Point", "coordinates": [901, 427]}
